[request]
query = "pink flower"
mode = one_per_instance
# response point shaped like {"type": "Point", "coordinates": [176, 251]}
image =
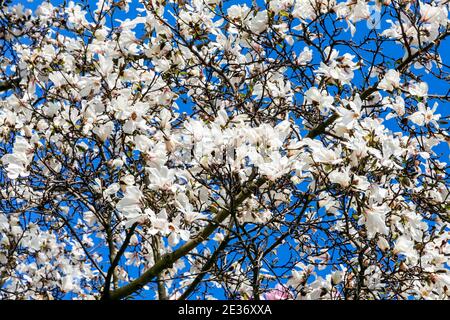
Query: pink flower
{"type": "Point", "coordinates": [279, 293]}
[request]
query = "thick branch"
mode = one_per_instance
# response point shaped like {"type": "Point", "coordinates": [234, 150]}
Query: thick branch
{"type": "Point", "coordinates": [321, 128]}
{"type": "Point", "coordinates": [8, 85]}
{"type": "Point", "coordinates": [168, 259]}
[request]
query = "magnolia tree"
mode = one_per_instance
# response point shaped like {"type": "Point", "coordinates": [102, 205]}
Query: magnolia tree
{"type": "Point", "coordinates": [207, 149]}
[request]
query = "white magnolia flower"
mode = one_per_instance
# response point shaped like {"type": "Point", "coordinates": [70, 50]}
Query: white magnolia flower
{"type": "Point", "coordinates": [397, 105]}
{"type": "Point", "coordinates": [349, 116]}
{"type": "Point", "coordinates": [382, 243]}
{"type": "Point", "coordinates": [419, 89]}
{"type": "Point", "coordinates": [16, 163]}
{"type": "Point", "coordinates": [104, 131]}
{"type": "Point", "coordinates": [112, 189]}
{"type": "Point", "coordinates": [432, 13]}
{"type": "Point", "coordinates": [341, 177]}
{"type": "Point", "coordinates": [258, 23]}
{"type": "Point", "coordinates": [319, 98]}
{"type": "Point", "coordinates": [190, 215]}
{"type": "Point", "coordinates": [327, 156]}
{"type": "Point", "coordinates": [339, 68]}
{"type": "Point", "coordinates": [305, 56]}
{"type": "Point", "coordinates": [405, 246]}
{"type": "Point", "coordinates": [142, 143]}
{"type": "Point", "coordinates": [133, 258]}
{"type": "Point", "coordinates": [128, 180]}
{"type": "Point", "coordinates": [374, 218]}
{"type": "Point", "coordinates": [130, 204]}
{"type": "Point", "coordinates": [337, 277]}
{"type": "Point", "coordinates": [238, 11]}
{"type": "Point", "coordinates": [161, 177]}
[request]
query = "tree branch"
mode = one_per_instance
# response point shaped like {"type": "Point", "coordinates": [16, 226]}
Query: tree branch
{"type": "Point", "coordinates": [106, 291]}
{"type": "Point", "coordinates": [8, 85]}
{"type": "Point", "coordinates": [169, 258]}
{"type": "Point", "coordinates": [205, 269]}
